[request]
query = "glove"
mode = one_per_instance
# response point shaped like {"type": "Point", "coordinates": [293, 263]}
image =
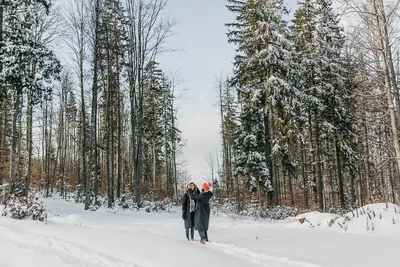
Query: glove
{"type": "Point", "coordinates": [184, 216]}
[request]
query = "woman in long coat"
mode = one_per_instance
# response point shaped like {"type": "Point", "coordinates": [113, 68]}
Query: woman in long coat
{"type": "Point", "coordinates": [188, 210]}
{"type": "Point", "coordinates": [202, 214]}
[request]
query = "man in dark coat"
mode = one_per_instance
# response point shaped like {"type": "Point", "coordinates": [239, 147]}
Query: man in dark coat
{"type": "Point", "coordinates": [188, 209]}
{"type": "Point", "coordinates": [202, 214]}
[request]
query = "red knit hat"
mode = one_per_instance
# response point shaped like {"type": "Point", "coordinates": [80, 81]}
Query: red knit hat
{"type": "Point", "coordinates": [207, 186]}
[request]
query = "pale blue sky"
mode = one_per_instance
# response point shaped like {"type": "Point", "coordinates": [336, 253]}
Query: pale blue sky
{"type": "Point", "coordinates": [200, 35]}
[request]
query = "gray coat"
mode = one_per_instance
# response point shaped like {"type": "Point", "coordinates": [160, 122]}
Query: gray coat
{"type": "Point", "coordinates": [188, 216]}
{"type": "Point", "coordinates": [202, 214]}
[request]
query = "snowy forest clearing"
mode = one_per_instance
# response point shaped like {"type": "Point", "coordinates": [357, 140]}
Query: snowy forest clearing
{"type": "Point", "coordinates": [73, 237]}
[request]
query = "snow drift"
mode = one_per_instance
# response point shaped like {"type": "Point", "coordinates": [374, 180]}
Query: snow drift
{"type": "Point", "coordinates": [381, 217]}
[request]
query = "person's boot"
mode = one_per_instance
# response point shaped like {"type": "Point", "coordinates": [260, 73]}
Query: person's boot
{"type": "Point", "coordinates": [192, 233]}
{"type": "Point", "coordinates": [187, 234]}
{"type": "Point", "coordinates": [202, 236]}
{"type": "Point", "coordinates": [206, 235]}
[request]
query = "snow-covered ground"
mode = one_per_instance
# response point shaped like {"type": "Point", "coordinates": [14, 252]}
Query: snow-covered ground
{"type": "Point", "coordinates": [73, 237]}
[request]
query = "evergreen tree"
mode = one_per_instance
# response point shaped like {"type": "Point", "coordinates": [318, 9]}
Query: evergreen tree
{"type": "Point", "coordinates": [154, 92]}
{"type": "Point", "coordinates": [250, 160]}
{"type": "Point", "coordinates": [302, 32]}
{"type": "Point", "coordinates": [322, 79]}
{"type": "Point", "coordinates": [264, 66]}
{"type": "Point", "coordinates": [172, 138]}
{"type": "Point", "coordinates": [335, 98]}
{"type": "Point", "coordinates": [229, 110]}
{"type": "Point", "coordinates": [28, 66]}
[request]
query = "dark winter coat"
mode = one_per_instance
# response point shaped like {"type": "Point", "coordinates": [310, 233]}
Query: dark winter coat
{"type": "Point", "coordinates": [202, 214]}
{"type": "Point", "coordinates": [188, 216]}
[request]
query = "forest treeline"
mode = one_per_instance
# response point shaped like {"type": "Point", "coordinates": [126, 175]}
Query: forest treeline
{"type": "Point", "coordinates": [309, 116]}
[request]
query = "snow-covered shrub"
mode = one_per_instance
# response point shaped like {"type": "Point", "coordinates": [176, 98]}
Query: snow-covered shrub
{"type": "Point", "coordinates": [22, 208]}
{"type": "Point", "coordinates": [93, 207]}
{"type": "Point", "coordinates": [225, 206]}
{"type": "Point", "coordinates": [79, 194]}
{"type": "Point", "coordinates": [125, 202]}
{"type": "Point", "coordinates": [252, 209]}
{"type": "Point", "coordinates": [16, 208]}
{"type": "Point", "coordinates": [154, 206]}
{"type": "Point", "coordinates": [37, 211]}
{"type": "Point", "coordinates": [166, 205]}
{"type": "Point", "coordinates": [281, 212]}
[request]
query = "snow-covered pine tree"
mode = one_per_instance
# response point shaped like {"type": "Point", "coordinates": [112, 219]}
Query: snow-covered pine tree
{"type": "Point", "coordinates": [302, 30]}
{"type": "Point", "coordinates": [250, 147]}
{"type": "Point", "coordinates": [229, 110]}
{"type": "Point", "coordinates": [333, 112]}
{"type": "Point", "coordinates": [331, 77]}
{"type": "Point", "coordinates": [328, 106]}
{"type": "Point", "coordinates": [155, 88]}
{"type": "Point", "coordinates": [264, 66]}
{"type": "Point", "coordinates": [349, 134]}
{"type": "Point", "coordinates": [28, 66]}
{"type": "Point", "coordinates": [172, 137]}
{"type": "Point", "coordinates": [250, 159]}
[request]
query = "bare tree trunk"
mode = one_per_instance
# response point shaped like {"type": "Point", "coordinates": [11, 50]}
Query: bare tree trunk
{"type": "Point", "coordinates": [14, 139]}
{"type": "Point", "coordinates": [119, 152]}
{"type": "Point", "coordinates": [81, 84]}
{"type": "Point", "coordinates": [392, 186]}
{"type": "Point", "coordinates": [339, 173]}
{"type": "Point", "coordinates": [274, 168]}
{"type": "Point", "coordinates": [29, 142]}
{"type": "Point", "coordinates": [304, 175]}
{"type": "Point", "coordinates": [65, 145]}
{"type": "Point", "coordinates": [174, 148]}
{"type": "Point", "coordinates": [19, 143]}
{"type": "Point", "coordinates": [319, 169]}
{"type": "Point", "coordinates": [94, 151]}
{"type": "Point", "coordinates": [61, 135]}
{"type": "Point", "coordinates": [312, 160]}
{"type": "Point", "coordinates": [167, 172]}
{"type": "Point", "coordinates": [108, 148]}
{"type": "Point", "coordinates": [2, 90]}
{"type": "Point", "coordinates": [224, 143]}
{"type": "Point", "coordinates": [291, 191]}
{"type": "Point", "coordinates": [353, 185]}
{"type": "Point", "coordinates": [46, 149]}
{"type": "Point", "coordinates": [50, 136]}
{"type": "Point", "coordinates": [2, 133]}
{"type": "Point", "coordinates": [109, 125]}
{"type": "Point", "coordinates": [139, 173]}
{"type": "Point", "coordinates": [153, 158]}
{"type": "Point", "coordinates": [3, 98]}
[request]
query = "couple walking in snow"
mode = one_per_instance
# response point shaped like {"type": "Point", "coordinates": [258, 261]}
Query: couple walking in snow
{"type": "Point", "coordinates": [196, 210]}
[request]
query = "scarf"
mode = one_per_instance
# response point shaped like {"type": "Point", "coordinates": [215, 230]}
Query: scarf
{"type": "Point", "coordinates": [192, 204]}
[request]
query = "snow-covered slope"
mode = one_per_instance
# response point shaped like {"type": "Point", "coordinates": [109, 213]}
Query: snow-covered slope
{"type": "Point", "coordinates": [73, 237]}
